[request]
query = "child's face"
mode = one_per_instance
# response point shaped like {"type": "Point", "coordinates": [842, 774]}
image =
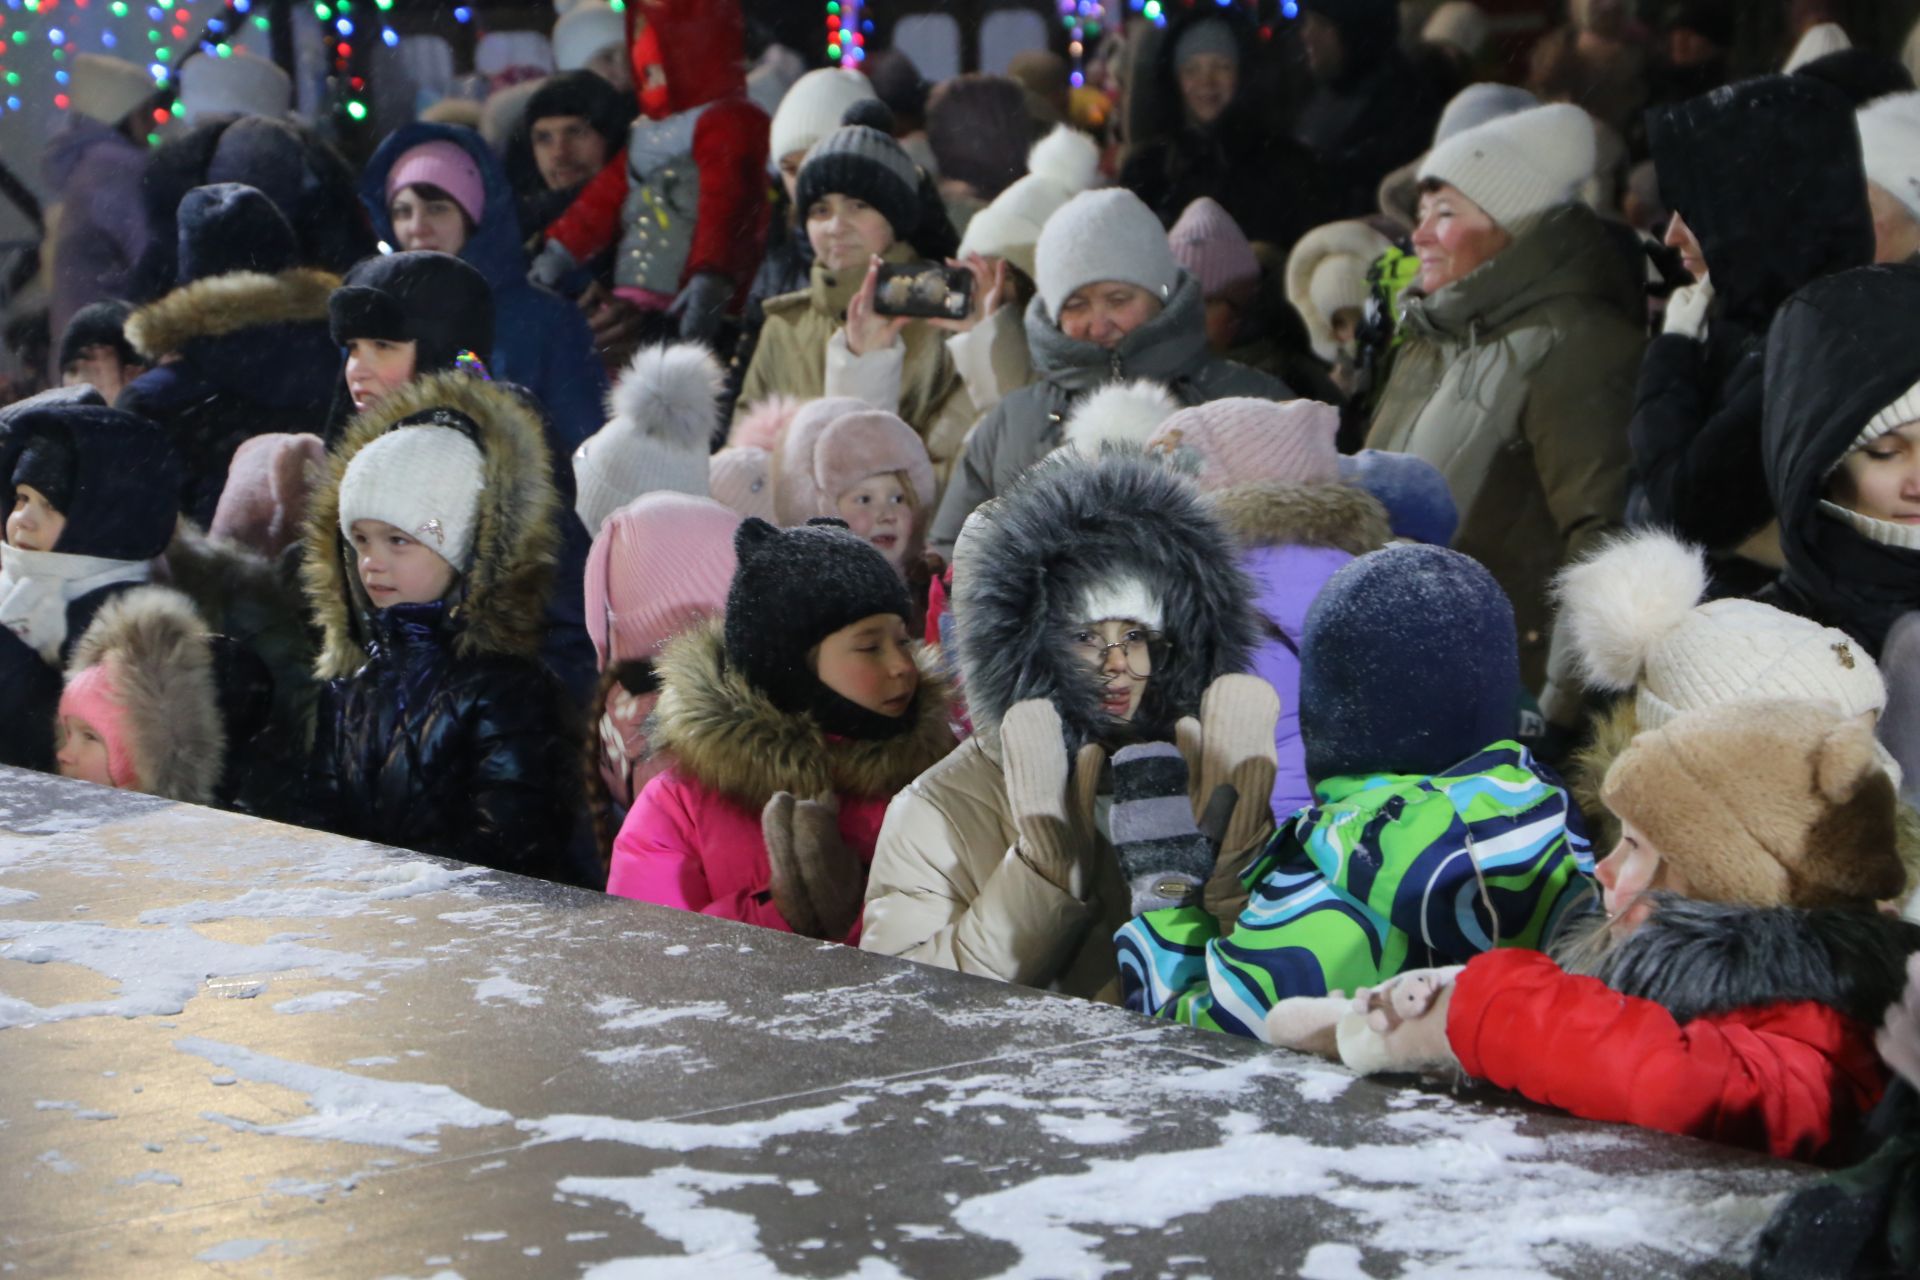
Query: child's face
{"type": "Point", "coordinates": [1628, 875]}
{"type": "Point", "coordinates": [376, 368]}
{"type": "Point", "coordinates": [845, 232]}
{"type": "Point", "coordinates": [83, 752]}
{"type": "Point", "coordinates": [33, 525]}
{"type": "Point", "coordinates": [877, 509]}
{"type": "Point", "coordinates": [870, 665]}
{"type": "Point", "coordinates": [396, 569]}
{"type": "Point", "coordinates": [1118, 649]}
{"type": "Point", "coordinates": [1881, 479]}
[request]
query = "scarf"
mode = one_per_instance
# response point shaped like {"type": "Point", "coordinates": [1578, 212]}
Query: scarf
{"type": "Point", "coordinates": [37, 586]}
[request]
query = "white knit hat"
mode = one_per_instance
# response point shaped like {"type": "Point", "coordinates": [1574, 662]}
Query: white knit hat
{"type": "Point", "coordinates": [239, 85]}
{"type": "Point", "coordinates": [425, 482]}
{"type": "Point", "coordinates": [659, 436]}
{"type": "Point", "coordinates": [1102, 235]}
{"type": "Point", "coordinates": [584, 30]}
{"type": "Point", "coordinates": [813, 108]}
{"type": "Point", "coordinates": [1519, 165]}
{"type": "Point", "coordinates": [1060, 166]}
{"type": "Point", "coordinates": [1890, 145]}
{"type": "Point", "coordinates": [106, 88]}
{"type": "Point", "coordinates": [1459, 23]}
{"type": "Point", "coordinates": [1634, 616]}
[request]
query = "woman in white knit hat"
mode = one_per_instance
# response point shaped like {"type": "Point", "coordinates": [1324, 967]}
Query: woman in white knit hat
{"type": "Point", "coordinates": [1522, 340]}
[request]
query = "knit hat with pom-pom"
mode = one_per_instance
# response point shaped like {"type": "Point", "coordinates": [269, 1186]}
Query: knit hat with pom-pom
{"type": "Point", "coordinates": [658, 566]}
{"type": "Point", "coordinates": [1242, 440]}
{"type": "Point", "coordinates": [1059, 167]}
{"type": "Point", "coordinates": [1764, 804]}
{"type": "Point", "coordinates": [1635, 618]}
{"type": "Point", "coordinates": [663, 415]}
{"type": "Point", "coordinates": [1120, 415]}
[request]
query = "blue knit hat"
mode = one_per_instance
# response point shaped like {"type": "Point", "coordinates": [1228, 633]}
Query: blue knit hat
{"type": "Point", "coordinates": [1419, 504]}
{"type": "Point", "coordinates": [1408, 664]}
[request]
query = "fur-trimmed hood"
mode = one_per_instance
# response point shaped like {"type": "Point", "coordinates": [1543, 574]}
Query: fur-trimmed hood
{"type": "Point", "coordinates": [498, 603]}
{"type": "Point", "coordinates": [729, 737]}
{"type": "Point", "coordinates": [1069, 525]}
{"type": "Point", "coordinates": [164, 675]}
{"type": "Point", "coordinates": [221, 305]}
{"type": "Point", "coordinates": [1339, 516]}
{"type": "Point", "coordinates": [1696, 959]}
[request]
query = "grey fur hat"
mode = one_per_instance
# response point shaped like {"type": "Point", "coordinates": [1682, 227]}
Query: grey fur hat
{"type": "Point", "coordinates": [1070, 529]}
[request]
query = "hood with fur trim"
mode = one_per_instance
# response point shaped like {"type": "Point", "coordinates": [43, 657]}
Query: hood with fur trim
{"type": "Point", "coordinates": [500, 599]}
{"type": "Point", "coordinates": [1340, 516]}
{"type": "Point", "coordinates": [164, 675]}
{"type": "Point", "coordinates": [222, 305]}
{"type": "Point", "coordinates": [1697, 959]}
{"type": "Point", "coordinates": [1072, 525]}
{"type": "Point", "coordinates": [1356, 242]}
{"type": "Point", "coordinates": [730, 738]}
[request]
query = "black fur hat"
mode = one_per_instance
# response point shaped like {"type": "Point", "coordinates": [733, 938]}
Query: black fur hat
{"type": "Point", "coordinates": [432, 299]}
{"type": "Point", "coordinates": [1068, 528]}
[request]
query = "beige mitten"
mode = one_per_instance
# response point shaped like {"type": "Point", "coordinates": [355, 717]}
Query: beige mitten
{"type": "Point", "coordinates": [1401, 1025]}
{"type": "Point", "coordinates": [1231, 762]}
{"type": "Point", "coordinates": [1306, 1024]}
{"type": "Point", "coordinates": [1052, 804]}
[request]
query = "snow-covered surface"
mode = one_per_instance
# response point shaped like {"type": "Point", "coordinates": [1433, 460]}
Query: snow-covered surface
{"type": "Point", "coordinates": [243, 1049]}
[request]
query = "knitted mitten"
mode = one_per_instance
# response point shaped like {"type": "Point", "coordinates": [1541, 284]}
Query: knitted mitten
{"type": "Point", "coordinates": [817, 885]}
{"type": "Point", "coordinates": [1052, 804]}
{"type": "Point", "coordinates": [1162, 853]}
{"type": "Point", "coordinates": [1401, 1025]}
{"type": "Point", "coordinates": [1232, 745]}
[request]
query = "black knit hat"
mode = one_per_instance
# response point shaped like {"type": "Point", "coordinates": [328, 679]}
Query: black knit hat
{"type": "Point", "coordinates": [103, 324]}
{"type": "Point", "coordinates": [432, 299]}
{"type": "Point", "coordinates": [589, 96]}
{"type": "Point", "coordinates": [860, 159]}
{"type": "Point", "coordinates": [792, 588]}
{"type": "Point", "coordinates": [229, 227]}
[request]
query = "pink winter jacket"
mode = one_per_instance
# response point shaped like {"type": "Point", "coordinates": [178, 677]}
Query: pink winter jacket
{"type": "Point", "coordinates": [692, 840]}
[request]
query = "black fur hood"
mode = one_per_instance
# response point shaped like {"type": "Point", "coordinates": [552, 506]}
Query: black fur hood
{"type": "Point", "coordinates": [1070, 524]}
{"type": "Point", "coordinates": [1695, 959]}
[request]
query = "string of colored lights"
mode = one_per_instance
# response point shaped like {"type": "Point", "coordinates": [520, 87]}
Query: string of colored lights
{"type": "Point", "coordinates": [847, 32]}
{"type": "Point", "coordinates": [1083, 20]}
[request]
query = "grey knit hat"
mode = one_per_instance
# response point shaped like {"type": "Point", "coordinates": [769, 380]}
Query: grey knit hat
{"type": "Point", "coordinates": [1102, 235]}
{"type": "Point", "coordinates": [1209, 35]}
{"type": "Point", "coordinates": [860, 161]}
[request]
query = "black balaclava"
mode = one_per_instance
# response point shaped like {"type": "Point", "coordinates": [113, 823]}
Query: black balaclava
{"type": "Point", "coordinates": [792, 589]}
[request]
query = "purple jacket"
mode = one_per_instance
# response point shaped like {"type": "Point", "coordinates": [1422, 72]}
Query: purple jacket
{"type": "Point", "coordinates": [1293, 538]}
{"type": "Point", "coordinates": [94, 172]}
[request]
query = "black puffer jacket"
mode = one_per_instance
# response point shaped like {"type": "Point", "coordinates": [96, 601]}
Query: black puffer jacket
{"type": "Point", "coordinates": [1766, 229]}
{"type": "Point", "coordinates": [439, 729]}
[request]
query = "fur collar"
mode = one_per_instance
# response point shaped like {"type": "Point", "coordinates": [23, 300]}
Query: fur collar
{"type": "Point", "coordinates": [1339, 516]}
{"type": "Point", "coordinates": [220, 305]}
{"type": "Point", "coordinates": [730, 738]}
{"type": "Point", "coordinates": [1696, 959]}
{"type": "Point", "coordinates": [164, 675]}
{"type": "Point", "coordinates": [501, 598]}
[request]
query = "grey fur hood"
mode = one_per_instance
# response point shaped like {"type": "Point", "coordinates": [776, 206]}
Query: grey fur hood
{"type": "Point", "coordinates": [1700, 958]}
{"type": "Point", "coordinates": [1067, 525]}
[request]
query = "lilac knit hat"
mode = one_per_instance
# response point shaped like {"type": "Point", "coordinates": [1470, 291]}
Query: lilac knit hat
{"type": "Point", "coordinates": [1241, 440]}
{"type": "Point", "coordinates": [1213, 249]}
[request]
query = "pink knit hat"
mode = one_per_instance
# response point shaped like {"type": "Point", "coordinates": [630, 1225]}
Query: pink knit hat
{"type": "Point", "coordinates": [660, 565]}
{"type": "Point", "coordinates": [264, 503]}
{"type": "Point", "coordinates": [832, 445]}
{"type": "Point", "coordinates": [1239, 441]}
{"type": "Point", "coordinates": [1211, 246]}
{"type": "Point", "coordinates": [92, 695]}
{"type": "Point", "coordinates": [740, 478]}
{"type": "Point", "coordinates": [445, 165]}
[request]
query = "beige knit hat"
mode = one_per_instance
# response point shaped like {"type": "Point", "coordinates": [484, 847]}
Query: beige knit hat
{"type": "Point", "coordinates": [106, 88]}
{"type": "Point", "coordinates": [424, 481]}
{"type": "Point", "coordinates": [1242, 440]}
{"type": "Point", "coordinates": [1519, 166]}
{"type": "Point", "coordinates": [1763, 804]}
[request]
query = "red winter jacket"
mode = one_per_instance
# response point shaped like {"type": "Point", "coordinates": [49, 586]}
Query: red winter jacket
{"type": "Point", "coordinates": [1795, 1079]}
{"type": "Point", "coordinates": [700, 43]}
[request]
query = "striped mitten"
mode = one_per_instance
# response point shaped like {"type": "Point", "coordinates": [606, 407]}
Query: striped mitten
{"type": "Point", "coordinates": [1162, 853]}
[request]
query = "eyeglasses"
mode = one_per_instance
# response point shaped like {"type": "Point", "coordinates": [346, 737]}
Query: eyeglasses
{"type": "Point", "coordinates": [1140, 650]}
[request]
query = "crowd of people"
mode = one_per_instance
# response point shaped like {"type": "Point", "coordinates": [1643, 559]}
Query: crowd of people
{"type": "Point", "coordinates": [1292, 535]}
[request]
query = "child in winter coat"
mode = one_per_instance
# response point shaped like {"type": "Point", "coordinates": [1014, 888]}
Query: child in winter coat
{"type": "Point", "coordinates": [660, 566]}
{"type": "Point", "coordinates": [1434, 836]}
{"type": "Point", "coordinates": [93, 495]}
{"type": "Point", "coordinates": [429, 556]}
{"type": "Point", "coordinates": [154, 703]}
{"type": "Point", "coordinates": [1731, 988]}
{"type": "Point", "coordinates": [1274, 478]}
{"type": "Point", "coordinates": [1112, 306]}
{"type": "Point", "coordinates": [789, 727]}
{"type": "Point", "coordinates": [863, 202]}
{"type": "Point", "coordinates": [1098, 604]}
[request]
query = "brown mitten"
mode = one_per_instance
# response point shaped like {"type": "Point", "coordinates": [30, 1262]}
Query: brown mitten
{"type": "Point", "coordinates": [786, 884]}
{"type": "Point", "coordinates": [818, 884]}
{"type": "Point", "coordinates": [1306, 1024]}
{"type": "Point", "coordinates": [1400, 1025]}
{"type": "Point", "coordinates": [1052, 804]}
{"type": "Point", "coordinates": [1231, 763]}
